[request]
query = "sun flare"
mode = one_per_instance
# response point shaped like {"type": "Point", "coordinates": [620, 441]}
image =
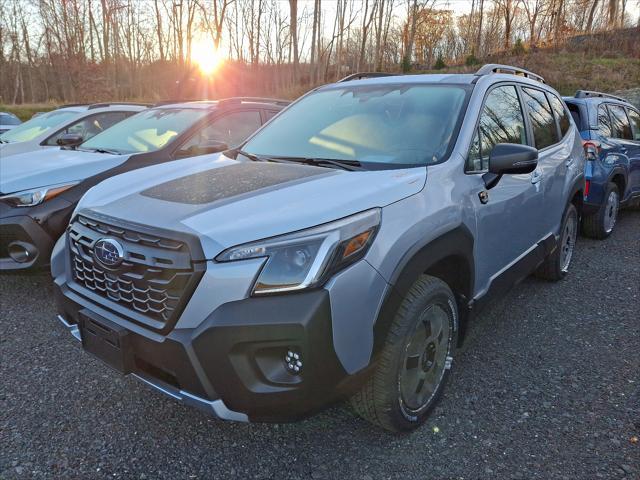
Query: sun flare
{"type": "Point", "coordinates": [206, 56]}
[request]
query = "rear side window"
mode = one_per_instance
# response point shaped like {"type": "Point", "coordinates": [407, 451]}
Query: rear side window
{"type": "Point", "coordinates": [543, 123]}
{"type": "Point", "coordinates": [575, 113]}
{"type": "Point", "coordinates": [620, 125]}
{"type": "Point", "coordinates": [561, 114]}
{"type": "Point", "coordinates": [635, 123]}
{"type": "Point", "coordinates": [604, 124]}
{"type": "Point", "coordinates": [501, 121]}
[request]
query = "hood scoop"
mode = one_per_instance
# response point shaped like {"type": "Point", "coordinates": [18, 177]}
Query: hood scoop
{"type": "Point", "coordinates": [231, 181]}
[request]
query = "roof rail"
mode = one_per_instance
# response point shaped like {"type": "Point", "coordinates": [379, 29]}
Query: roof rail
{"type": "Point", "coordinates": [109, 104]}
{"type": "Point", "coordinates": [363, 75]}
{"type": "Point", "coordinates": [168, 102]}
{"type": "Point", "coordinates": [590, 94]}
{"type": "Point", "coordinates": [273, 101]}
{"type": "Point", "coordinates": [497, 68]}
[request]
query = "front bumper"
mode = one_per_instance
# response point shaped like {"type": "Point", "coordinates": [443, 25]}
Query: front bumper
{"type": "Point", "coordinates": [217, 408]}
{"type": "Point", "coordinates": [232, 365]}
{"type": "Point", "coordinates": [33, 229]}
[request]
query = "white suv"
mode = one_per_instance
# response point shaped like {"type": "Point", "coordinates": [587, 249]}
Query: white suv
{"type": "Point", "coordinates": [45, 130]}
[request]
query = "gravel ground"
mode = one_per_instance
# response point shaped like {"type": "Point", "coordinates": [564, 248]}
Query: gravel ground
{"type": "Point", "coordinates": [547, 386]}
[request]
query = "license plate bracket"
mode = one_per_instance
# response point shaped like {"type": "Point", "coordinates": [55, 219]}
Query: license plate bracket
{"type": "Point", "coordinates": [107, 341]}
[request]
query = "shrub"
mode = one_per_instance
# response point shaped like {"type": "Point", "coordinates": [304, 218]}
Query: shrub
{"type": "Point", "coordinates": [518, 47]}
{"type": "Point", "coordinates": [439, 65]}
{"type": "Point", "coordinates": [471, 60]}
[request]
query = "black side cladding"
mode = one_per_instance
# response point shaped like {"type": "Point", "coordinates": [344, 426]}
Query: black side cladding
{"type": "Point", "coordinates": [225, 182]}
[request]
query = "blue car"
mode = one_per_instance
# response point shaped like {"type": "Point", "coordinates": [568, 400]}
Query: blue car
{"type": "Point", "coordinates": [610, 130]}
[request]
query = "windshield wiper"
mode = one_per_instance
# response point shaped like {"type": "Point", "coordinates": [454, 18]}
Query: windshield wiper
{"type": "Point", "coordinates": [351, 165]}
{"type": "Point", "coordinates": [4, 141]}
{"type": "Point", "coordinates": [250, 156]}
{"type": "Point", "coordinates": [104, 150]}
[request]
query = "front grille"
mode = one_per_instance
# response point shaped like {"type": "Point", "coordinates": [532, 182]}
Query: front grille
{"type": "Point", "coordinates": [152, 283]}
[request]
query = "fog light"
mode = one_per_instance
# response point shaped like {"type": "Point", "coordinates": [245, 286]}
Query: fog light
{"type": "Point", "coordinates": [21, 252]}
{"type": "Point", "coordinates": [293, 362]}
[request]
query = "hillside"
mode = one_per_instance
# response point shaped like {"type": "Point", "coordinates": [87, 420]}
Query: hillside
{"type": "Point", "coordinates": [607, 62]}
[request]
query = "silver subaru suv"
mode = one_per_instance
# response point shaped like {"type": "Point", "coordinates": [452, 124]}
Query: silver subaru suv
{"type": "Point", "coordinates": [340, 252]}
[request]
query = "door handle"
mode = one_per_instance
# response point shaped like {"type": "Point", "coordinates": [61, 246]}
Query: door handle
{"type": "Point", "coordinates": [536, 176]}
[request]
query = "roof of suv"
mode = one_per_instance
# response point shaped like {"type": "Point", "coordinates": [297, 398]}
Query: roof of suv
{"type": "Point", "coordinates": [496, 71]}
{"type": "Point", "coordinates": [84, 107]}
{"type": "Point", "coordinates": [224, 102]}
{"type": "Point", "coordinates": [586, 96]}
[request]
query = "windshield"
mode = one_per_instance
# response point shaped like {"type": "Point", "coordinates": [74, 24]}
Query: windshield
{"type": "Point", "coordinates": [37, 125]}
{"type": "Point", "coordinates": [386, 124]}
{"type": "Point", "coordinates": [6, 119]}
{"type": "Point", "coordinates": [146, 131]}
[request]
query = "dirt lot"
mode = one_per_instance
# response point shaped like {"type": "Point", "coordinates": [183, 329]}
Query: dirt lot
{"type": "Point", "coordinates": [546, 386]}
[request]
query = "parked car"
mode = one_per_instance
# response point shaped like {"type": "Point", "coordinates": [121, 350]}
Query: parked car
{"type": "Point", "coordinates": [340, 252]}
{"type": "Point", "coordinates": [8, 121]}
{"type": "Point", "coordinates": [610, 130]}
{"type": "Point", "coordinates": [46, 130]}
{"type": "Point", "coordinates": [39, 190]}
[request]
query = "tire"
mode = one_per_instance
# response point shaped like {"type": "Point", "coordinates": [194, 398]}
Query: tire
{"type": "Point", "coordinates": [413, 354]}
{"type": "Point", "coordinates": [556, 265]}
{"type": "Point", "coordinates": [600, 224]}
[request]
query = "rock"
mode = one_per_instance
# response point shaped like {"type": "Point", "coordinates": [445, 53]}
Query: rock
{"type": "Point", "coordinates": [626, 468]}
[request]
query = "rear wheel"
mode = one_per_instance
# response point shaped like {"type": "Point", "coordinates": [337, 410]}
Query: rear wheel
{"type": "Point", "coordinates": [600, 224]}
{"type": "Point", "coordinates": [556, 265]}
{"type": "Point", "coordinates": [415, 361]}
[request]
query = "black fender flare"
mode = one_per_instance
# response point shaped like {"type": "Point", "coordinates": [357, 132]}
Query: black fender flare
{"type": "Point", "coordinates": [456, 245]}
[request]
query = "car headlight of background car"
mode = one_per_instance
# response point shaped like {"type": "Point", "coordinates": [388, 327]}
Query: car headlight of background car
{"type": "Point", "coordinates": [35, 196]}
{"type": "Point", "coordinates": [307, 258]}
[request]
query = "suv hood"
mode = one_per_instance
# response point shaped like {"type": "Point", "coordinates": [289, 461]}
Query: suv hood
{"type": "Point", "coordinates": [52, 166]}
{"type": "Point", "coordinates": [227, 202]}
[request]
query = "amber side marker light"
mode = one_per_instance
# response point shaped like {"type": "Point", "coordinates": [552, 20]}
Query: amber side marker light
{"type": "Point", "coordinates": [356, 244]}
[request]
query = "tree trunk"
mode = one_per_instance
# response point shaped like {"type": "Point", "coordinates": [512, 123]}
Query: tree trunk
{"type": "Point", "coordinates": [312, 64]}
{"type": "Point", "coordinates": [479, 40]}
{"type": "Point", "coordinates": [159, 30]}
{"type": "Point", "coordinates": [408, 51]}
{"type": "Point", "coordinates": [293, 33]}
{"type": "Point", "coordinates": [378, 49]}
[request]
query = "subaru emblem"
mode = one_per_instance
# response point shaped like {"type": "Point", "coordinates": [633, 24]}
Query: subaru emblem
{"type": "Point", "coordinates": [108, 252]}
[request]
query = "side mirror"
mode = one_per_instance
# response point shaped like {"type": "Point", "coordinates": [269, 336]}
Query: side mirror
{"type": "Point", "coordinates": [213, 146]}
{"type": "Point", "coordinates": [509, 158]}
{"type": "Point", "coordinates": [71, 140]}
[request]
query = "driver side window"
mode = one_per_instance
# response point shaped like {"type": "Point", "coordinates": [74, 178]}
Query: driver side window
{"type": "Point", "coordinates": [501, 121]}
{"type": "Point", "coordinates": [231, 129]}
{"type": "Point", "coordinates": [90, 126]}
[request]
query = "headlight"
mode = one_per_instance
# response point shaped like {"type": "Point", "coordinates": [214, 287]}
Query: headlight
{"type": "Point", "coordinates": [30, 198]}
{"type": "Point", "coordinates": [306, 258]}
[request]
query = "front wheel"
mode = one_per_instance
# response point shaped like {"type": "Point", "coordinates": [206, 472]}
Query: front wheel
{"type": "Point", "coordinates": [415, 361]}
{"type": "Point", "coordinates": [556, 265]}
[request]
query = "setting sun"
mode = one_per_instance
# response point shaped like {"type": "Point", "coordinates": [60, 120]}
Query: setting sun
{"type": "Point", "coordinates": [206, 56]}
